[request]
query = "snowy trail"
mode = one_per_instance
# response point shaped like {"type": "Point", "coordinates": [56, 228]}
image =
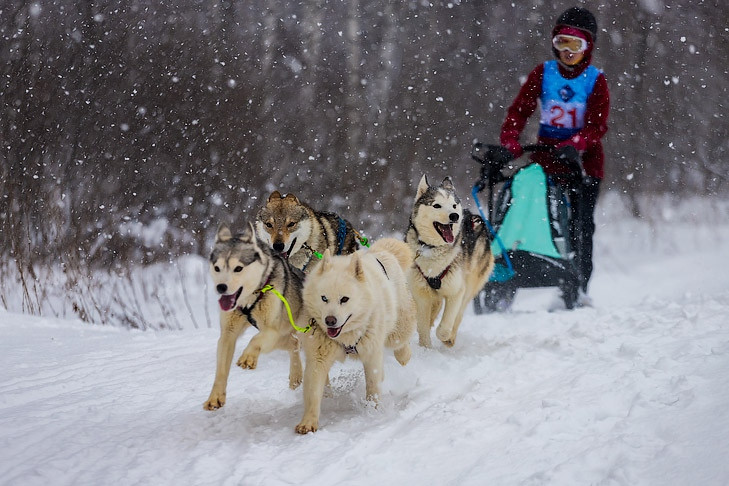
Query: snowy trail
{"type": "Point", "coordinates": [530, 398]}
{"type": "Point", "coordinates": [634, 391]}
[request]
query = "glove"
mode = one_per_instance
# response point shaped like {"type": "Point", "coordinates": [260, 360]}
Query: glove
{"type": "Point", "coordinates": [499, 156]}
{"type": "Point", "coordinates": [577, 141]}
{"type": "Point", "coordinates": [570, 157]}
{"type": "Point", "coordinates": [514, 147]}
{"type": "Point", "coordinates": [567, 154]}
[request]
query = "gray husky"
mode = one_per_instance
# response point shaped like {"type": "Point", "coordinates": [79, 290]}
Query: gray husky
{"type": "Point", "coordinates": [301, 233]}
{"type": "Point", "coordinates": [252, 282]}
{"type": "Point", "coordinates": [453, 259]}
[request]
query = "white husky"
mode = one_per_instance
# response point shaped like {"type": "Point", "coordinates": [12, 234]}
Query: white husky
{"type": "Point", "coordinates": [360, 304]}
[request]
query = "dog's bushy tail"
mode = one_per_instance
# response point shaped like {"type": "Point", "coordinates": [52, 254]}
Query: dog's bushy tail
{"type": "Point", "coordinates": [398, 248]}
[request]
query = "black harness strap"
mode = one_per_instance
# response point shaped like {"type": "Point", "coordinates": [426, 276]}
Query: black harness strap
{"type": "Point", "coordinates": [383, 268]}
{"type": "Point", "coordinates": [353, 348]}
{"type": "Point", "coordinates": [434, 282]}
{"type": "Point", "coordinates": [246, 311]}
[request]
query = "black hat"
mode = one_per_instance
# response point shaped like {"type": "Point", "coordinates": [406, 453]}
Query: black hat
{"type": "Point", "coordinates": [579, 18]}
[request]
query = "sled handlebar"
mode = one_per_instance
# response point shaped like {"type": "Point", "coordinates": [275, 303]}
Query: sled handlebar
{"type": "Point", "coordinates": [493, 158]}
{"type": "Point", "coordinates": [537, 147]}
{"type": "Point", "coordinates": [496, 154]}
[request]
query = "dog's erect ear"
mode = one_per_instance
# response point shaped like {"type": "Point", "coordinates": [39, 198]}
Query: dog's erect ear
{"type": "Point", "coordinates": [422, 187]}
{"type": "Point", "coordinates": [326, 261]}
{"type": "Point", "coordinates": [250, 234]}
{"type": "Point", "coordinates": [447, 184]}
{"type": "Point", "coordinates": [356, 266]}
{"type": "Point", "coordinates": [274, 195]}
{"type": "Point", "coordinates": [223, 234]}
{"type": "Point", "coordinates": [293, 198]}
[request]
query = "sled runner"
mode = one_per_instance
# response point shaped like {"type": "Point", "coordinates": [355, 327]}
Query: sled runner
{"type": "Point", "coordinates": [529, 218]}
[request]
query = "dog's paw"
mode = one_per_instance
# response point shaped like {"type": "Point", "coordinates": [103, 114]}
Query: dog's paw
{"type": "Point", "coordinates": [248, 361]}
{"type": "Point", "coordinates": [214, 402]}
{"type": "Point", "coordinates": [444, 334]}
{"type": "Point", "coordinates": [402, 355]}
{"type": "Point", "coordinates": [305, 428]}
{"type": "Point", "coordinates": [295, 381]}
{"type": "Point", "coordinates": [450, 343]}
{"type": "Point", "coordinates": [424, 341]}
{"type": "Point", "coordinates": [372, 400]}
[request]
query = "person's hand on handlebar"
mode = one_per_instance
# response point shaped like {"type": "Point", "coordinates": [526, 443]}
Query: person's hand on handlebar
{"type": "Point", "coordinates": [576, 141]}
{"type": "Point", "coordinates": [515, 148]}
{"type": "Point", "coordinates": [569, 156]}
{"type": "Point", "coordinates": [499, 156]}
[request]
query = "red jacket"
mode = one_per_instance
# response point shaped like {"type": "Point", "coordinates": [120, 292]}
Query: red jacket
{"type": "Point", "coordinates": [588, 140]}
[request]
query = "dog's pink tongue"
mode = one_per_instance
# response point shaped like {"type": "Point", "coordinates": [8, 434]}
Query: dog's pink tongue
{"type": "Point", "coordinates": [448, 234]}
{"type": "Point", "coordinates": [333, 332]}
{"type": "Point", "coordinates": [227, 302]}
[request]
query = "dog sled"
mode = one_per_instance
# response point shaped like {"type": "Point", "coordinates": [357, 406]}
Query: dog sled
{"type": "Point", "coordinates": [529, 219]}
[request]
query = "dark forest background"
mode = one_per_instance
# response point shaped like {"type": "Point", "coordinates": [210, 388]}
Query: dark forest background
{"type": "Point", "coordinates": [130, 128]}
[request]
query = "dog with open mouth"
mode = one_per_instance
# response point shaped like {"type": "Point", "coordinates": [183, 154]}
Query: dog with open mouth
{"type": "Point", "coordinates": [248, 275]}
{"type": "Point", "coordinates": [300, 233]}
{"type": "Point", "coordinates": [358, 305]}
{"type": "Point", "coordinates": [453, 259]}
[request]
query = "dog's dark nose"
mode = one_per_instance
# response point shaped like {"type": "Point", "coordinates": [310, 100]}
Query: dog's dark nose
{"type": "Point", "coordinates": [221, 288]}
{"type": "Point", "coordinates": [278, 246]}
{"type": "Point", "coordinates": [454, 217]}
{"type": "Point", "coordinates": [330, 321]}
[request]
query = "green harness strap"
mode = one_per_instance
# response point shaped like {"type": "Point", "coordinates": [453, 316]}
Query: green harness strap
{"type": "Point", "coordinates": [362, 241]}
{"type": "Point", "coordinates": [266, 288]}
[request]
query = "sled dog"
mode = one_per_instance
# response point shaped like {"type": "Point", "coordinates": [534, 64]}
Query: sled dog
{"type": "Point", "coordinates": [299, 232]}
{"type": "Point", "coordinates": [359, 304]}
{"type": "Point", "coordinates": [247, 276]}
{"type": "Point", "coordinates": [453, 259]}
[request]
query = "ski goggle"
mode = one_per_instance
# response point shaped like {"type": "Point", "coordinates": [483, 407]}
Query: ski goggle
{"type": "Point", "coordinates": [572, 43]}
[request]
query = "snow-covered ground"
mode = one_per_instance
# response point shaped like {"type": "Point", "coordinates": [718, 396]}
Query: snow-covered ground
{"type": "Point", "coordinates": [633, 391]}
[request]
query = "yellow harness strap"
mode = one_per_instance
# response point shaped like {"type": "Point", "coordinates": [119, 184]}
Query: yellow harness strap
{"type": "Point", "coordinates": [266, 288]}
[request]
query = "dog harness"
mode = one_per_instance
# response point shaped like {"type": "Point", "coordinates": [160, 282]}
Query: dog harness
{"type": "Point", "coordinates": [383, 268]}
{"type": "Point", "coordinates": [434, 282]}
{"type": "Point", "coordinates": [351, 349]}
{"type": "Point", "coordinates": [246, 311]}
{"type": "Point", "coordinates": [312, 253]}
{"type": "Point", "coordinates": [267, 288]}
{"type": "Point", "coordinates": [347, 349]}
{"type": "Point", "coordinates": [341, 235]}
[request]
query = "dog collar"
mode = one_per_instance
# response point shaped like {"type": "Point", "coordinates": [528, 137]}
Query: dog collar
{"type": "Point", "coordinates": [353, 348]}
{"type": "Point", "coordinates": [348, 349]}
